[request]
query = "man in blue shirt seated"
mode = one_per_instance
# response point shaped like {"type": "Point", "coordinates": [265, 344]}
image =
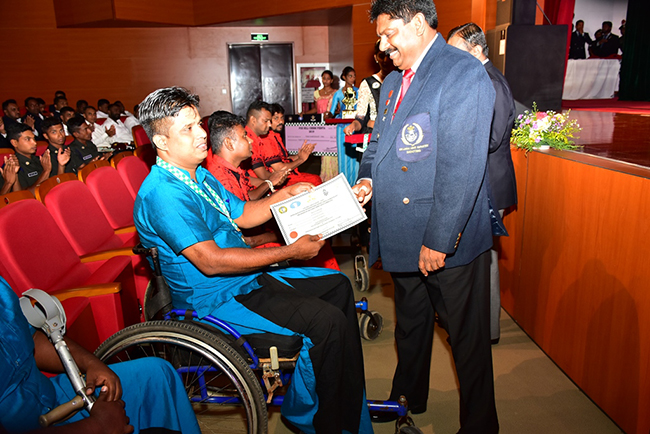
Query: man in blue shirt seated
{"type": "Point", "coordinates": [143, 395]}
{"type": "Point", "coordinates": [194, 222]}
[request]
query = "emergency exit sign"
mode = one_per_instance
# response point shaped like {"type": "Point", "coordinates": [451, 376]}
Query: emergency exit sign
{"type": "Point", "coordinates": [259, 36]}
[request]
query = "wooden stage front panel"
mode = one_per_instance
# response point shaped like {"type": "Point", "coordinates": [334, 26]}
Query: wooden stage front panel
{"type": "Point", "coordinates": [575, 274]}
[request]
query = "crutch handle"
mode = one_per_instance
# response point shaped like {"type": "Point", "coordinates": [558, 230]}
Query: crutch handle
{"type": "Point", "coordinates": [61, 412]}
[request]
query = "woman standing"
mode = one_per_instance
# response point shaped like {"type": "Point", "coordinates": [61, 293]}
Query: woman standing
{"type": "Point", "coordinates": [330, 165]}
{"type": "Point", "coordinates": [369, 89]}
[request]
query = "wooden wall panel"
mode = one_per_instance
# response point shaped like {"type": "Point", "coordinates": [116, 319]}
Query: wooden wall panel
{"type": "Point", "coordinates": [582, 290]}
{"type": "Point", "coordinates": [79, 12]}
{"type": "Point", "coordinates": [177, 12]}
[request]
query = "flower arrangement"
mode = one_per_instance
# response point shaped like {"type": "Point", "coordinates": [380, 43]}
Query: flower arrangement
{"type": "Point", "coordinates": [536, 129]}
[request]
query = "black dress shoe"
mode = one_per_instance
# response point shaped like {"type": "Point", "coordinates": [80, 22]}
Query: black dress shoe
{"type": "Point", "coordinates": [495, 341]}
{"type": "Point", "coordinates": [382, 416]}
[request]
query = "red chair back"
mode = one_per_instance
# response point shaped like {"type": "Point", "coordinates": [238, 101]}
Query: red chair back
{"type": "Point", "coordinates": [68, 140]}
{"type": "Point", "coordinates": [140, 136]}
{"type": "Point", "coordinates": [100, 121]}
{"type": "Point", "coordinates": [133, 172]}
{"type": "Point", "coordinates": [81, 219]}
{"type": "Point", "coordinates": [40, 149]}
{"type": "Point", "coordinates": [112, 196]}
{"type": "Point", "coordinates": [35, 252]}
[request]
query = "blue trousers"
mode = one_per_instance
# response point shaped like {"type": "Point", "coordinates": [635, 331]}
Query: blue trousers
{"type": "Point", "coordinates": [153, 393]}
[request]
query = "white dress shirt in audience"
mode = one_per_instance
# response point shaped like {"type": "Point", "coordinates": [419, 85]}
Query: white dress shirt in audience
{"type": "Point", "coordinates": [130, 122]}
{"type": "Point", "coordinates": [101, 114]}
{"type": "Point", "coordinates": [122, 133]}
{"type": "Point", "coordinates": [100, 138]}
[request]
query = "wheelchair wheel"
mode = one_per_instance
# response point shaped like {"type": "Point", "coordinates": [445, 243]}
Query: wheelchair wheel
{"type": "Point", "coordinates": [370, 330]}
{"type": "Point", "coordinates": [218, 381]}
{"type": "Point", "coordinates": [361, 275]}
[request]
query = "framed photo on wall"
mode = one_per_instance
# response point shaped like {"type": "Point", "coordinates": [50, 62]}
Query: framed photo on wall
{"type": "Point", "coordinates": [308, 77]}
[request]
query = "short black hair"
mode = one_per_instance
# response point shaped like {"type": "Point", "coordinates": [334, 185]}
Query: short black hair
{"type": "Point", "coordinates": [102, 101]}
{"type": "Point", "coordinates": [472, 35]}
{"type": "Point", "coordinates": [49, 123]}
{"type": "Point", "coordinates": [579, 21]}
{"type": "Point", "coordinates": [256, 107]}
{"type": "Point", "coordinates": [59, 93]}
{"type": "Point", "coordinates": [40, 101]}
{"type": "Point", "coordinates": [346, 71]}
{"type": "Point", "coordinates": [90, 107]}
{"type": "Point", "coordinates": [405, 10]}
{"type": "Point", "coordinates": [112, 105]}
{"type": "Point", "coordinates": [15, 130]}
{"type": "Point", "coordinates": [82, 102]}
{"type": "Point", "coordinates": [75, 123]}
{"type": "Point", "coordinates": [59, 98]}
{"type": "Point", "coordinates": [276, 108]}
{"type": "Point", "coordinates": [220, 125]}
{"type": "Point", "coordinates": [66, 109]}
{"type": "Point", "coordinates": [609, 23]}
{"type": "Point", "coordinates": [162, 104]}
{"type": "Point", "coordinates": [5, 104]}
{"type": "Point", "coordinates": [30, 98]}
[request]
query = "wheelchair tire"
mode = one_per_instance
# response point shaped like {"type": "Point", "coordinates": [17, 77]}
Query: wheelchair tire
{"type": "Point", "coordinates": [367, 329]}
{"type": "Point", "coordinates": [362, 279]}
{"type": "Point", "coordinates": [185, 345]}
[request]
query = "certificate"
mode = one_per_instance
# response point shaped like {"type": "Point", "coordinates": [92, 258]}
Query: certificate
{"type": "Point", "coordinates": [328, 209]}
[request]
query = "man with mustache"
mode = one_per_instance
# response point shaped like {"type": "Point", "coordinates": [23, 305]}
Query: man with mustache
{"type": "Point", "coordinates": [425, 170]}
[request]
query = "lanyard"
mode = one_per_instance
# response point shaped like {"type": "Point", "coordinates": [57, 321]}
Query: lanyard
{"type": "Point", "coordinates": [219, 205]}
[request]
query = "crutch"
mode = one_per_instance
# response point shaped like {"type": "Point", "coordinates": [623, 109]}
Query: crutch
{"type": "Point", "coordinates": [46, 313]}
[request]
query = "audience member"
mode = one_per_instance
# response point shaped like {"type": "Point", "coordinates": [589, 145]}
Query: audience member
{"type": "Point", "coordinates": [501, 172]}
{"type": "Point", "coordinates": [272, 155]}
{"type": "Point", "coordinates": [54, 133]}
{"type": "Point", "coordinates": [102, 108]}
{"type": "Point", "coordinates": [230, 147]}
{"type": "Point", "coordinates": [82, 149]}
{"type": "Point", "coordinates": [130, 120]}
{"type": "Point", "coordinates": [146, 393]}
{"type": "Point", "coordinates": [11, 112]}
{"type": "Point", "coordinates": [609, 44]}
{"type": "Point", "coordinates": [65, 114]}
{"type": "Point", "coordinates": [122, 133]}
{"type": "Point", "coordinates": [4, 141]}
{"type": "Point", "coordinates": [57, 94]}
{"type": "Point", "coordinates": [81, 106]}
{"type": "Point", "coordinates": [9, 175]}
{"type": "Point", "coordinates": [195, 223]}
{"type": "Point", "coordinates": [101, 135]}
{"type": "Point", "coordinates": [578, 40]}
{"type": "Point", "coordinates": [323, 96]}
{"type": "Point", "coordinates": [33, 169]}
{"type": "Point", "coordinates": [59, 103]}
{"type": "Point", "coordinates": [33, 118]}
{"type": "Point", "coordinates": [258, 123]}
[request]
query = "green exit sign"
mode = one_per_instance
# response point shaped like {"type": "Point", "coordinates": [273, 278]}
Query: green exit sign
{"type": "Point", "coordinates": [259, 36]}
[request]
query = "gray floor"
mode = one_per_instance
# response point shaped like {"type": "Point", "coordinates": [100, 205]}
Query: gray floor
{"type": "Point", "coordinates": [532, 394]}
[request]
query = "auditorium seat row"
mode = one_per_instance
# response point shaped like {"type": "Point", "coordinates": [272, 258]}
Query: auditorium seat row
{"type": "Point", "coordinates": [74, 241]}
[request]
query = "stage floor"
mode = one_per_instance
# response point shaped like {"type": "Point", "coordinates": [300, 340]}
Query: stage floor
{"type": "Point", "coordinates": [617, 136]}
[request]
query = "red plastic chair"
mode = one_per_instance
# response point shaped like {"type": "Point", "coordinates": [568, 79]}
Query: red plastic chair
{"type": "Point", "coordinates": [147, 154]}
{"type": "Point", "coordinates": [100, 121]}
{"type": "Point", "coordinates": [111, 194]}
{"type": "Point", "coordinates": [36, 254]}
{"type": "Point", "coordinates": [133, 172]}
{"type": "Point", "coordinates": [140, 136]}
{"type": "Point", "coordinates": [40, 149]}
{"type": "Point", "coordinates": [68, 140]}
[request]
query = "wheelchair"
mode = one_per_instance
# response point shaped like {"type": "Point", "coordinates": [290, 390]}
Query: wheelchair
{"type": "Point", "coordinates": [226, 375]}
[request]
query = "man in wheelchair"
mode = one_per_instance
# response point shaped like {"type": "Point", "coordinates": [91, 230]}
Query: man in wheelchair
{"type": "Point", "coordinates": [194, 222]}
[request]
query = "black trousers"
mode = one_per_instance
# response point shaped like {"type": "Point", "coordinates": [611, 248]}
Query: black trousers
{"type": "Point", "coordinates": [321, 308]}
{"type": "Point", "coordinates": [461, 297]}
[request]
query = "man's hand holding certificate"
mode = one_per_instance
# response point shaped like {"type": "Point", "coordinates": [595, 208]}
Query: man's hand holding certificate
{"type": "Point", "coordinates": [328, 209]}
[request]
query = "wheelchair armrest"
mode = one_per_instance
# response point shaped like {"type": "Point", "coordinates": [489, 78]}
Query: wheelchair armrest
{"type": "Point", "coordinates": [106, 254]}
{"type": "Point", "coordinates": [89, 291]}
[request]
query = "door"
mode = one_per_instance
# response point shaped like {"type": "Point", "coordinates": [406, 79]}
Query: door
{"type": "Point", "coordinates": [261, 72]}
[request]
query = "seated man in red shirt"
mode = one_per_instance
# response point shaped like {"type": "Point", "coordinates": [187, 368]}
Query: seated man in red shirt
{"type": "Point", "coordinates": [231, 145]}
{"type": "Point", "coordinates": [264, 123]}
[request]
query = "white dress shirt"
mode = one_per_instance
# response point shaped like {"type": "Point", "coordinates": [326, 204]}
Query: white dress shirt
{"type": "Point", "coordinates": [122, 133]}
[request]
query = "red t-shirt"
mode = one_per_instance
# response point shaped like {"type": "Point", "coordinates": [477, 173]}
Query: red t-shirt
{"type": "Point", "coordinates": [234, 179]}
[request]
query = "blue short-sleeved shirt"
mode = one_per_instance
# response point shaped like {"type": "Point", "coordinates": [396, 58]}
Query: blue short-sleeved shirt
{"type": "Point", "coordinates": [170, 216]}
{"type": "Point", "coordinates": [25, 393]}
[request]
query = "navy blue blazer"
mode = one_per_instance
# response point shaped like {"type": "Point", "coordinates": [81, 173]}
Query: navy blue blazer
{"type": "Point", "coordinates": [501, 171]}
{"type": "Point", "coordinates": [428, 164]}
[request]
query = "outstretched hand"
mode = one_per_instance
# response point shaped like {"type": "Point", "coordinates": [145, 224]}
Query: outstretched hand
{"type": "Point", "coordinates": [363, 191]}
